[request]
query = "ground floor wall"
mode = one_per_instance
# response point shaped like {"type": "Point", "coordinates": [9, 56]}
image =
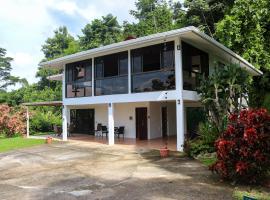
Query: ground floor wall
{"type": "Point", "coordinates": [125, 115]}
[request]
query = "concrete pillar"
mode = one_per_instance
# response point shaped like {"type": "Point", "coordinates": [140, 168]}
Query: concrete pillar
{"type": "Point", "coordinates": [27, 123]}
{"type": "Point", "coordinates": [180, 128]}
{"type": "Point", "coordinates": [180, 125]}
{"type": "Point", "coordinates": [64, 123]}
{"type": "Point", "coordinates": [111, 124]}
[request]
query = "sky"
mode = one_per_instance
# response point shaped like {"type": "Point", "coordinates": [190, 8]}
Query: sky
{"type": "Point", "coordinates": [26, 24]}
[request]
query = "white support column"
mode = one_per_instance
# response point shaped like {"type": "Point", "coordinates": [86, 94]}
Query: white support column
{"type": "Point", "coordinates": [27, 123]}
{"type": "Point", "coordinates": [64, 123]}
{"type": "Point", "coordinates": [111, 124]}
{"type": "Point", "coordinates": [180, 128]}
{"type": "Point", "coordinates": [93, 77]}
{"type": "Point", "coordinates": [129, 72]}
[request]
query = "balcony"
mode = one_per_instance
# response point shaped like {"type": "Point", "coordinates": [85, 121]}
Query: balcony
{"type": "Point", "coordinates": [153, 81]}
{"type": "Point", "coordinates": [79, 89]}
{"type": "Point", "coordinates": [111, 85]}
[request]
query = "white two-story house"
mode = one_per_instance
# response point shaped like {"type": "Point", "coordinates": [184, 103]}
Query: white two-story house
{"type": "Point", "coordinates": [144, 84]}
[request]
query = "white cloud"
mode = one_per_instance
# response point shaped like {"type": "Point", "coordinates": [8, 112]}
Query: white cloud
{"type": "Point", "coordinates": [26, 24]}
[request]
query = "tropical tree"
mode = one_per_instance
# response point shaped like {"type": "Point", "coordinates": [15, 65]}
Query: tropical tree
{"type": "Point", "coordinates": [153, 16]}
{"type": "Point", "coordinates": [6, 79]}
{"type": "Point", "coordinates": [57, 45]}
{"type": "Point", "coordinates": [100, 32]}
{"type": "Point", "coordinates": [223, 93]}
{"type": "Point", "coordinates": [245, 29]}
{"type": "Point", "coordinates": [204, 14]}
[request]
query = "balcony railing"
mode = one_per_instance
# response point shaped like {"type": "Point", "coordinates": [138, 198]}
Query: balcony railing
{"type": "Point", "coordinates": [153, 81]}
{"type": "Point", "coordinates": [190, 80]}
{"type": "Point", "coordinates": [79, 89]}
{"type": "Point", "coordinates": [111, 85]}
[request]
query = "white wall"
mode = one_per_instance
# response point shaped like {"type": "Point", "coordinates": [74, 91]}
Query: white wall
{"type": "Point", "coordinates": [155, 120]}
{"type": "Point", "coordinates": [122, 114]}
{"type": "Point", "coordinates": [125, 115]}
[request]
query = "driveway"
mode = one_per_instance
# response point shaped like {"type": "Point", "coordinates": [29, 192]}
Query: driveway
{"type": "Point", "coordinates": [81, 170]}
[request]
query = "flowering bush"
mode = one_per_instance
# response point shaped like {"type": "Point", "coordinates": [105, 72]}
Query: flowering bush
{"type": "Point", "coordinates": [12, 121]}
{"type": "Point", "coordinates": [243, 150]}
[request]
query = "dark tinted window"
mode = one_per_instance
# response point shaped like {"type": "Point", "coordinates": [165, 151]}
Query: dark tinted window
{"type": "Point", "coordinates": [195, 62]}
{"type": "Point", "coordinates": [78, 81]}
{"type": "Point", "coordinates": [111, 65]}
{"type": "Point", "coordinates": [153, 68]}
{"type": "Point", "coordinates": [137, 63]}
{"type": "Point", "coordinates": [153, 58]}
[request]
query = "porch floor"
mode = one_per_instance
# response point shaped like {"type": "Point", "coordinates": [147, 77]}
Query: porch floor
{"type": "Point", "coordinates": [148, 144]}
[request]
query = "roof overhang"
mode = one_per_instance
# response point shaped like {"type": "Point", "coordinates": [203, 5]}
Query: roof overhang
{"type": "Point", "coordinates": [44, 103]}
{"type": "Point", "coordinates": [56, 77]}
{"type": "Point", "coordinates": [189, 34]}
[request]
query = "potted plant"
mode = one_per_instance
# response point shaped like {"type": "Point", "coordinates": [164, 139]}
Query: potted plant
{"type": "Point", "coordinates": [164, 151]}
{"type": "Point", "coordinates": [49, 140]}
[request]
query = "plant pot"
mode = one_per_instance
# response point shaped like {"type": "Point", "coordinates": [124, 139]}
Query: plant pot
{"type": "Point", "coordinates": [48, 140]}
{"type": "Point", "coordinates": [164, 152]}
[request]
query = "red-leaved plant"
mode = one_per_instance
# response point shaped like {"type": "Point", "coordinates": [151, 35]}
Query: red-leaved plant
{"type": "Point", "coordinates": [11, 121]}
{"type": "Point", "coordinates": [243, 150]}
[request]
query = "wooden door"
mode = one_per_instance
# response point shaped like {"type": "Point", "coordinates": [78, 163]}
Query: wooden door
{"type": "Point", "coordinates": [164, 121]}
{"type": "Point", "coordinates": [141, 123]}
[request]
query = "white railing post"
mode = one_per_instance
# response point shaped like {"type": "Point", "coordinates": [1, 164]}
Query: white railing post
{"type": "Point", "coordinates": [129, 72]}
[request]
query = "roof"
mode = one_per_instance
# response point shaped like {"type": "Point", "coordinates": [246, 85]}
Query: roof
{"type": "Point", "coordinates": [187, 33]}
{"type": "Point", "coordinates": [44, 103]}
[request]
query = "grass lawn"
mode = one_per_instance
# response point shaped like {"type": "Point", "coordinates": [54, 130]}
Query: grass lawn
{"type": "Point", "coordinates": [257, 193]}
{"type": "Point", "coordinates": [207, 161]}
{"type": "Point", "coordinates": [7, 144]}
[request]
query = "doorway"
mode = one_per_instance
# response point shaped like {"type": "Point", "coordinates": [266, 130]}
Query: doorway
{"type": "Point", "coordinates": [164, 122]}
{"type": "Point", "coordinates": [83, 121]}
{"type": "Point", "coordinates": [141, 123]}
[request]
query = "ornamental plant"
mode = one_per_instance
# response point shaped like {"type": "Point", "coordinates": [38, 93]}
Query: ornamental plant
{"type": "Point", "coordinates": [12, 121]}
{"type": "Point", "coordinates": [243, 149]}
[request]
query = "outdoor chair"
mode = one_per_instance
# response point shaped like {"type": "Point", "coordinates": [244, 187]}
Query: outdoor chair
{"type": "Point", "coordinates": [120, 131]}
{"type": "Point", "coordinates": [57, 130]}
{"type": "Point", "coordinates": [98, 131]}
{"type": "Point", "coordinates": [104, 130]}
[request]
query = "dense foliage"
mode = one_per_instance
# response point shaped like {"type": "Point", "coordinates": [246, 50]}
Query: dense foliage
{"type": "Point", "coordinates": [224, 92]}
{"type": "Point", "coordinates": [241, 25]}
{"type": "Point", "coordinates": [243, 150]}
{"type": "Point", "coordinates": [12, 121]}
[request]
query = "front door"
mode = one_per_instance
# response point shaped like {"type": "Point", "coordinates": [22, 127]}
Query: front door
{"type": "Point", "coordinates": [141, 123]}
{"type": "Point", "coordinates": [83, 120]}
{"type": "Point", "coordinates": [164, 121]}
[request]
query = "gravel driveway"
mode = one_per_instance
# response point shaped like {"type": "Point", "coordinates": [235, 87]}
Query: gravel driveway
{"type": "Point", "coordinates": [81, 170]}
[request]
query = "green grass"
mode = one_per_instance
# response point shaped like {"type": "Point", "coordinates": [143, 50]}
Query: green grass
{"type": "Point", "coordinates": [207, 161]}
{"type": "Point", "coordinates": [254, 193]}
{"type": "Point", "coordinates": [7, 144]}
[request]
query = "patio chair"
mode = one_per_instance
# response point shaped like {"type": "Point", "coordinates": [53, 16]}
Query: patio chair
{"type": "Point", "coordinates": [104, 130]}
{"type": "Point", "coordinates": [98, 131]}
{"type": "Point", "coordinates": [120, 131]}
{"type": "Point", "coordinates": [57, 130]}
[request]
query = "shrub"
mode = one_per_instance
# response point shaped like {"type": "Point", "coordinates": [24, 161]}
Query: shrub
{"type": "Point", "coordinates": [204, 143]}
{"type": "Point", "coordinates": [43, 122]}
{"type": "Point", "coordinates": [243, 150]}
{"type": "Point", "coordinates": [12, 121]}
